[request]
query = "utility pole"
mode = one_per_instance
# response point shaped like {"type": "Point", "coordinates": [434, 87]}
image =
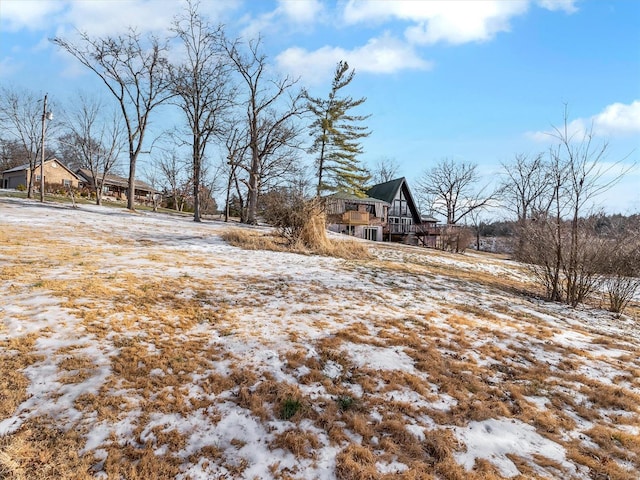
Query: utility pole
{"type": "Point", "coordinates": [45, 116]}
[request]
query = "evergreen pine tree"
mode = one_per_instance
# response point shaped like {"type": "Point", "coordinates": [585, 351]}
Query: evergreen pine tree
{"type": "Point", "coordinates": [337, 136]}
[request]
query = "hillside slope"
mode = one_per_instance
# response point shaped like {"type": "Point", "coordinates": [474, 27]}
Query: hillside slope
{"type": "Point", "coordinates": [143, 346]}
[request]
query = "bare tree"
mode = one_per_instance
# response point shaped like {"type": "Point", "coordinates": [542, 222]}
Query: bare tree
{"type": "Point", "coordinates": [236, 145]}
{"type": "Point", "coordinates": [153, 175]}
{"type": "Point", "coordinates": [136, 73]}
{"type": "Point", "coordinates": [560, 242]}
{"type": "Point", "coordinates": [582, 159]}
{"type": "Point", "coordinates": [21, 117]}
{"type": "Point", "coordinates": [12, 154]}
{"type": "Point", "coordinates": [622, 268]}
{"type": "Point", "coordinates": [210, 187]}
{"type": "Point", "coordinates": [477, 222]}
{"type": "Point", "coordinates": [525, 188]}
{"type": "Point", "coordinates": [272, 106]}
{"type": "Point", "coordinates": [526, 185]}
{"type": "Point", "coordinates": [176, 174]}
{"type": "Point", "coordinates": [452, 187]}
{"type": "Point", "coordinates": [203, 85]}
{"type": "Point", "coordinates": [385, 170]}
{"type": "Point", "coordinates": [95, 139]}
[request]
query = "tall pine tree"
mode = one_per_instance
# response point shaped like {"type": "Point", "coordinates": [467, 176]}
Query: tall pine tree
{"type": "Point", "coordinates": [337, 136]}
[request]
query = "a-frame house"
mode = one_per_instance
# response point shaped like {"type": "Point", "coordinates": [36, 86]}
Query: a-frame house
{"type": "Point", "coordinates": [404, 222]}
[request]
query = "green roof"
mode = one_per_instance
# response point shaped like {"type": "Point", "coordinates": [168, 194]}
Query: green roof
{"type": "Point", "coordinates": [386, 191]}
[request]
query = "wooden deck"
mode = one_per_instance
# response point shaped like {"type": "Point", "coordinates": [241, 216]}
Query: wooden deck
{"type": "Point", "coordinates": [355, 218]}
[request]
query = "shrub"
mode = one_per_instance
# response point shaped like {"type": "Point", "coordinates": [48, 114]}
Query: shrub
{"type": "Point", "coordinates": [622, 270]}
{"type": "Point", "coordinates": [345, 402]}
{"type": "Point", "coordinates": [289, 408]}
{"type": "Point", "coordinates": [299, 221]}
{"type": "Point", "coordinates": [455, 238]}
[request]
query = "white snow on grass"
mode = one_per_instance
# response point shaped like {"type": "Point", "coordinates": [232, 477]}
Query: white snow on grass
{"type": "Point", "coordinates": [258, 306]}
{"type": "Point", "coordinates": [494, 439]}
{"type": "Point", "coordinates": [379, 358]}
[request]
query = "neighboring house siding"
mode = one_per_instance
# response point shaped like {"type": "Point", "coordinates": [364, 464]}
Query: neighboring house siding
{"type": "Point", "coordinates": [116, 187]}
{"type": "Point", "coordinates": [56, 174]}
{"type": "Point", "coordinates": [367, 232]}
{"type": "Point", "coordinates": [14, 179]}
{"type": "Point", "coordinates": [400, 216]}
{"type": "Point", "coordinates": [357, 217]}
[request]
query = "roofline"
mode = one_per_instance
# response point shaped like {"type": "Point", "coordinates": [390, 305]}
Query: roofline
{"type": "Point", "coordinates": [117, 180]}
{"type": "Point", "coordinates": [27, 167]}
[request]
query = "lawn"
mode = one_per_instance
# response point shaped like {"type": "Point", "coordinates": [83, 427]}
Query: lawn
{"type": "Point", "coordinates": [144, 346]}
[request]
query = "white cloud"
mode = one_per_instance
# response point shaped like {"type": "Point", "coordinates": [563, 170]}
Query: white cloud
{"type": "Point", "coordinates": [569, 6]}
{"type": "Point", "coordinates": [28, 14]}
{"type": "Point", "coordinates": [100, 17]}
{"type": "Point", "coordinates": [616, 120]}
{"type": "Point", "coordinates": [289, 15]}
{"type": "Point", "coordinates": [619, 119]}
{"type": "Point", "coordinates": [456, 22]}
{"type": "Point", "coordinates": [481, 22]}
{"type": "Point", "coordinates": [380, 55]}
{"type": "Point", "coordinates": [301, 12]}
{"type": "Point", "coordinates": [257, 26]}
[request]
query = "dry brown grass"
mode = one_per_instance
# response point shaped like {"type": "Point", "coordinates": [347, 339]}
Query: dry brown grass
{"type": "Point", "coordinates": [255, 240]}
{"type": "Point", "coordinates": [600, 464]}
{"type": "Point", "coordinates": [356, 462]}
{"type": "Point", "coordinates": [13, 383]}
{"type": "Point", "coordinates": [160, 364]}
{"type": "Point", "coordinates": [613, 397]}
{"type": "Point", "coordinates": [40, 451]}
{"type": "Point", "coordinates": [299, 442]}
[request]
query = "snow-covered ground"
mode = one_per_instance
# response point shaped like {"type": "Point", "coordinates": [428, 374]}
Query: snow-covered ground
{"type": "Point", "coordinates": [148, 331]}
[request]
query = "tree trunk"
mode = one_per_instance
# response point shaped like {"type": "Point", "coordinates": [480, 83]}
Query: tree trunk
{"type": "Point", "coordinates": [243, 213]}
{"type": "Point", "coordinates": [254, 177]}
{"type": "Point", "coordinates": [131, 194]}
{"type": "Point", "coordinates": [197, 163]}
{"type": "Point", "coordinates": [321, 166]}
{"type": "Point", "coordinates": [30, 184]}
{"type": "Point", "coordinates": [228, 199]}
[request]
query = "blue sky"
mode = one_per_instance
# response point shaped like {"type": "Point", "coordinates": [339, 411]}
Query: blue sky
{"type": "Point", "coordinates": [478, 81]}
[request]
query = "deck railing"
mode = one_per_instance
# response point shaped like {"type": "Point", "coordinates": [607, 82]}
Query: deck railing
{"type": "Point", "coordinates": [355, 218]}
{"type": "Point", "coordinates": [399, 228]}
{"type": "Point", "coordinates": [399, 212]}
{"type": "Point", "coordinates": [420, 229]}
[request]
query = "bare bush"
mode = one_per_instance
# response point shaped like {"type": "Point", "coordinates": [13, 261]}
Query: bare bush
{"type": "Point", "coordinates": [559, 239]}
{"type": "Point", "coordinates": [622, 270]}
{"type": "Point", "coordinates": [456, 239]}
{"type": "Point", "coordinates": [547, 249]}
{"type": "Point", "coordinates": [298, 221]}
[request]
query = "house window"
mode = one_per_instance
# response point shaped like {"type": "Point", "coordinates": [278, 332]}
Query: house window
{"type": "Point", "coordinates": [371, 234]}
{"type": "Point", "coordinates": [350, 230]}
{"type": "Point", "coordinates": [66, 182]}
{"type": "Point", "coordinates": [37, 178]}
